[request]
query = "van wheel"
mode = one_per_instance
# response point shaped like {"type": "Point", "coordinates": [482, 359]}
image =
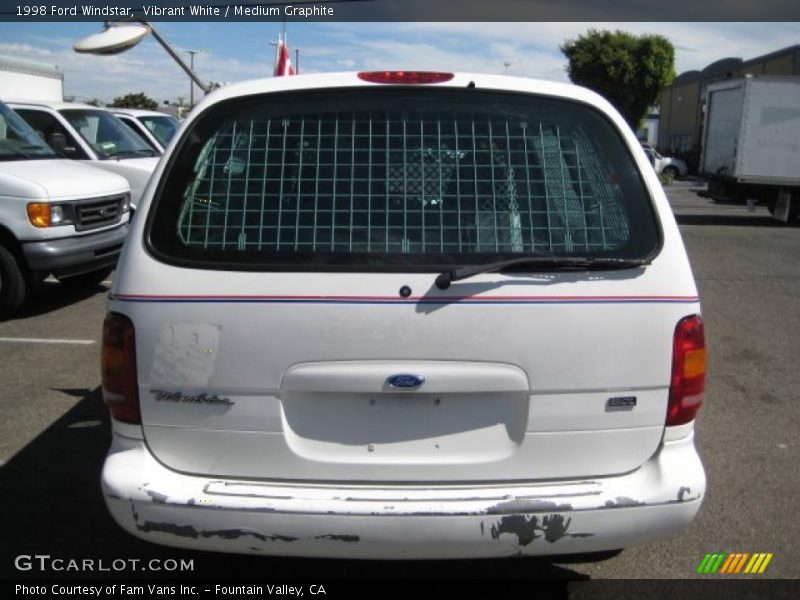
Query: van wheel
{"type": "Point", "coordinates": [794, 207]}
{"type": "Point", "coordinates": [85, 280]}
{"type": "Point", "coordinates": [13, 284]}
{"type": "Point", "coordinates": [672, 172]}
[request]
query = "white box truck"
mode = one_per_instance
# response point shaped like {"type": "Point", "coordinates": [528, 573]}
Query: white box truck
{"type": "Point", "coordinates": [751, 142]}
{"type": "Point", "coordinates": [36, 81]}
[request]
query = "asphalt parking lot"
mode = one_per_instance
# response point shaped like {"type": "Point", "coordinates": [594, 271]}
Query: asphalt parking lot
{"type": "Point", "coordinates": [54, 428]}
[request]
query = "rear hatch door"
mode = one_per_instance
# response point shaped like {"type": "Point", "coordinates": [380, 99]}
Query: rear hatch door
{"type": "Point", "coordinates": [287, 321]}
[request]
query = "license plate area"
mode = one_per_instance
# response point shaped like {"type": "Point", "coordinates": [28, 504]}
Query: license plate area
{"type": "Point", "coordinates": [404, 427]}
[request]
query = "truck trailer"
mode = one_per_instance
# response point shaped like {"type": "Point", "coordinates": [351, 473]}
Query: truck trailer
{"type": "Point", "coordinates": [751, 142]}
{"type": "Point", "coordinates": [36, 81]}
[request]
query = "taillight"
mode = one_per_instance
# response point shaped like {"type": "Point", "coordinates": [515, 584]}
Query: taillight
{"type": "Point", "coordinates": [404, 77]}
{"type": "Point", "coordinates": [120, 391]}
{"type": "Point", "coordinates": [688, 371]}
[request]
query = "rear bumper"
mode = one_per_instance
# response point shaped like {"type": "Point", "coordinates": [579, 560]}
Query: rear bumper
{"type": "Point", "coordinates": [394, 522]}
{"type": "Point", "coordinates": [76, 255]}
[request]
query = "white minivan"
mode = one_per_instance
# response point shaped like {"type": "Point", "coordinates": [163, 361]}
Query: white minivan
{"type": "Point", "coordinates": [404, 315]}
{"type": "Point", "coordinates": [155, 128]}
{"type": "Point", "coordinates": [87, 133]}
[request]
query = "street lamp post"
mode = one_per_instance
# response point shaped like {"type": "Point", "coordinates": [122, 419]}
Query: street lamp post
{"type": "Point", "coordinates": [119, 37]}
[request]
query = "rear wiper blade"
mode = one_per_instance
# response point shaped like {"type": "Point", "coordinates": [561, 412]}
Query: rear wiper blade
{"type": "Point", "coordinates": [444, 279]}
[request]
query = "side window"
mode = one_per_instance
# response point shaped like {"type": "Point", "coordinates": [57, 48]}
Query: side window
{"type": "Point", "coordinates": [130, 125]}
{"type": "Point", "coordinates": [135, 130]}
{"type": "Point", "coordinates": [4, 134]}
{"type": "Point", "coordinates": [53, 132]}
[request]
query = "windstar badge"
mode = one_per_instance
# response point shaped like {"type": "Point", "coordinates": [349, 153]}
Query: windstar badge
{"type": "Point", "coordinates": [202, 398]}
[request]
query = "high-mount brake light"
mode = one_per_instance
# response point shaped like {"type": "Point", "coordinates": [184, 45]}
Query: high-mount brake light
{"type": "Point", "coordinates": [120, 390]}
{"type": "Point", "coordinates": [404, 77]}
{"type": "Point", "coordinates": [688, 371]}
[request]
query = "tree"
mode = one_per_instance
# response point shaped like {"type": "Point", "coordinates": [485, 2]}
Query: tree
{"type": "Point", "coordinates": [629, 71]}
{"type": "Point", "coordinates": [139, 100]}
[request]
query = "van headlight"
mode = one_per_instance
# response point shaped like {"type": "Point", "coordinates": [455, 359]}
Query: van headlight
{"type": "Point", "coordinates": [57, 215]}
{"type": "Point", "coordinates": [47, 214]}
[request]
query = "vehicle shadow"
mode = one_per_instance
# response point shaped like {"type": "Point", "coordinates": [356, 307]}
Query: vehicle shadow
{"type": "Point", "coordinates": [49, 296]}
{"type": "Point", "coordinates": [52, 505]}
{"type": "Point", "coordinates": [732, 220]}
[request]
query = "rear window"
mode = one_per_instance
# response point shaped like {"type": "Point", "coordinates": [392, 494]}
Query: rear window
{"type": "Point", "coordinates": [390, 178]}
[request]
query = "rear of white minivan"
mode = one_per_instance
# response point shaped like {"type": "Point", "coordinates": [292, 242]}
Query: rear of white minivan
{"type": "Point", "coordinates": [404, 315]}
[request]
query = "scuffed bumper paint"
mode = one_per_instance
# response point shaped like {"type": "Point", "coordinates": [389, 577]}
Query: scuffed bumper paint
{"type": "Point", "coordinates": [394, 522]}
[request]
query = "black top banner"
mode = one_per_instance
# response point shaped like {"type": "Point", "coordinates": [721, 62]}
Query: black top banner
{"type": "Point", "coordinates": [400, 10]}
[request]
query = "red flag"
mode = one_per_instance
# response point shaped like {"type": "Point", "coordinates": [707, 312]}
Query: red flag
{"type": "Point", "coordinates": [283, 64]}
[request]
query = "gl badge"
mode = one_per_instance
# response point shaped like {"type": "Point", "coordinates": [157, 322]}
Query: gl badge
{"type": "Point", "coordinates": [621, 403]}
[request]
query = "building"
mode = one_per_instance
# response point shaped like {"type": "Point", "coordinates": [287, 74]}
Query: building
{"type": "Point", "coordinates": [648, 131]}
{"type": "Point", "coordinates": [683, 102]}
{"type": "Point", "coordinates": [30, 80]}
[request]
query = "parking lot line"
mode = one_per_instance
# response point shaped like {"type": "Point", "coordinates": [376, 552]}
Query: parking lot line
{"type": "Point", "coordinates": [45, 341]}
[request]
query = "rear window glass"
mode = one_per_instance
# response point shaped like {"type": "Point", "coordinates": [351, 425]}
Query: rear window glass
{"type": "Point", "coordinates": [393, 177]}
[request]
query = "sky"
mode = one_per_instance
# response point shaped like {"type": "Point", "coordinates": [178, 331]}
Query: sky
{"type": "Point", "coordinates": [239, 51]}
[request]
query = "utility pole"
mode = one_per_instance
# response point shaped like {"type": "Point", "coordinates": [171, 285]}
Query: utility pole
{"type": "Point", "coordinates": [191, 54]}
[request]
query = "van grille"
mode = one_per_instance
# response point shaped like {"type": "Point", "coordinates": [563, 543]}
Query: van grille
{"type": "Point", "coordinates": [98, 213]}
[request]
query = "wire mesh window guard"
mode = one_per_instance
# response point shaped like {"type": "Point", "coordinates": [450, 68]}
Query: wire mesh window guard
{"type": "Point", "coordinates": [404, 181]}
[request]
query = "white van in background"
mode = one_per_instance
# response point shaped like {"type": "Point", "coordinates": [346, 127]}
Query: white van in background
{"type": "Point", "coordinates": [674, 167]}
{"type": "Point", "coordinates": [85, 132]}
{"type": "Point", "coordinates": [156, 128]}
{"type": "Point", "coordinates": [404, 315]}
{"type": "Point", "coordinates": [57, 216]}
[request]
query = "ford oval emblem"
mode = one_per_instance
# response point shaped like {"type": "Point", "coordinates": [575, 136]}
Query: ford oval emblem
{"type": "Point", "coordinates": [405, 381]}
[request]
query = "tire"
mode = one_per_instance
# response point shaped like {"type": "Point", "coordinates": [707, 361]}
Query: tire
{"type": "Point", "coordinates": [13, 284]}
{"type": "Point", "coordinates": [794, 207]}
{"type": "Point", "coordinates": [86, 280]}
{"type": "Point", "coordinates": [671, 171]}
